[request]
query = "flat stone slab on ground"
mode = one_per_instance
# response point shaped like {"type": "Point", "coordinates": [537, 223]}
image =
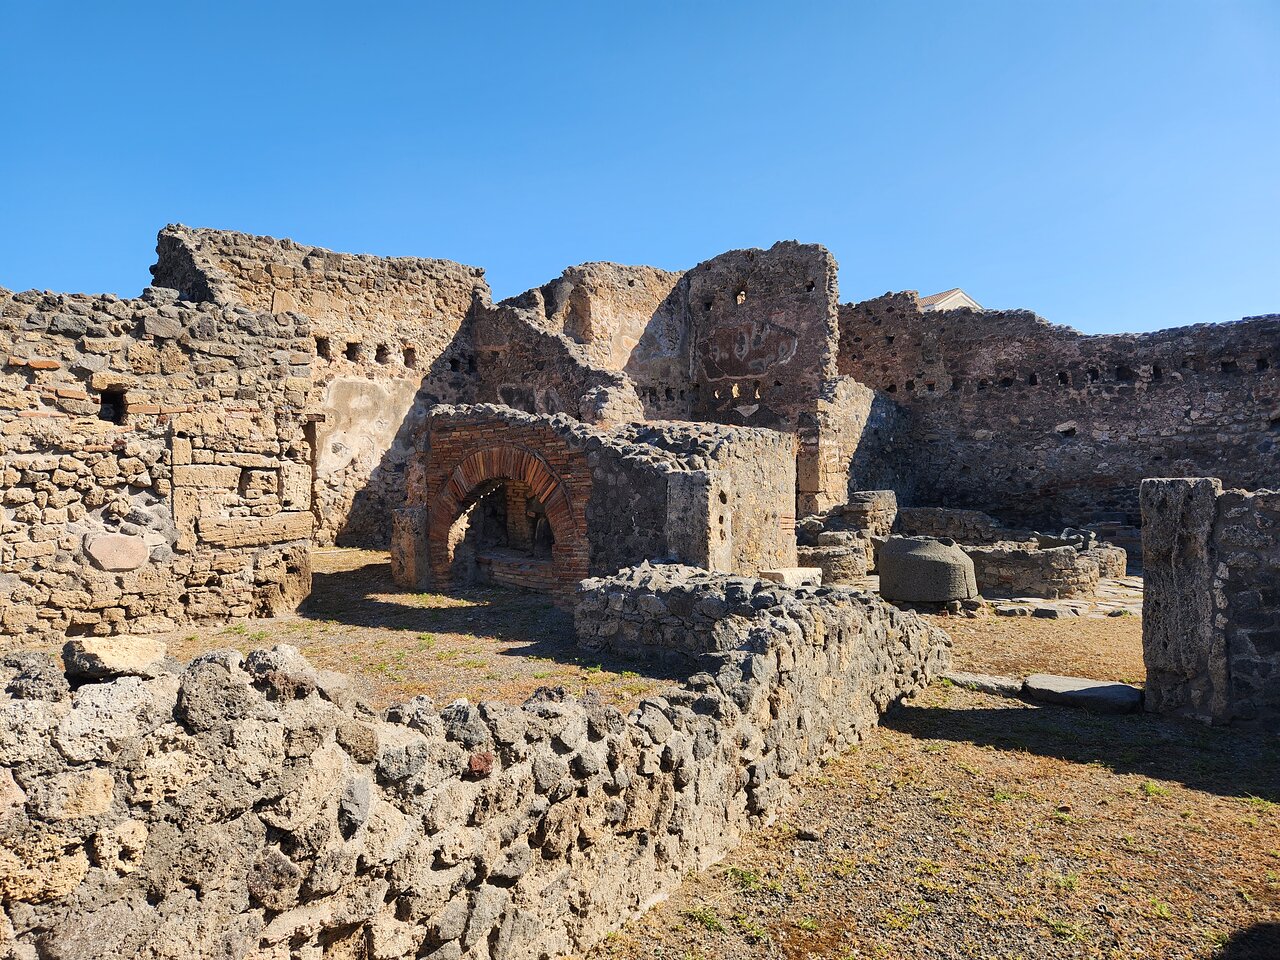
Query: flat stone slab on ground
{"type": "Point", "coordinates": [1012, 611]}
{"type": "Point", "coordinates": [986, 683]}
{"type": "Point", "coordinates": [1100, 696]}
{"type": "Point", "coordinates": [99, 657]}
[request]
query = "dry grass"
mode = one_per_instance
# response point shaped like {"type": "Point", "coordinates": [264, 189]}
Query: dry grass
{"type": "Point", "coordinates": [969, 826]}
{"type": "Point", "coordinates": [489, 644]}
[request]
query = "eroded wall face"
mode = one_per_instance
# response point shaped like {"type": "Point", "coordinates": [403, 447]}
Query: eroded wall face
{"type": "Point", "coordinates": [155, 463]}
{"type": "Point", "coordinates": [523, 365]}
{"type": "Point", "coordinates": [1039, 424]}
{"type": "Point", "coordinates": [762, 333]}
{"type": "Point", "coordinates": [1211, 605]}
{"type": "Point", "coordinates": [388, 344]}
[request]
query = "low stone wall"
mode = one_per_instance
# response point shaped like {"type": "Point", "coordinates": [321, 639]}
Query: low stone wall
{"type": "Point", "coordinates": [1112, 561]}
{"type": "Point", "coordinates": [1211, 605]}
{"type": "Point", "coordinates": [840, 563]}
{"type": "Point", "coordinates": [1016, 569]}
{"type": "Point", "coordinates": [253, 807]}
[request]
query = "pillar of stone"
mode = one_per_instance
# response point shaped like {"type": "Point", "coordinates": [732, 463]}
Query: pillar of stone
{"type": "Point", "coordinates": [1183, 644]}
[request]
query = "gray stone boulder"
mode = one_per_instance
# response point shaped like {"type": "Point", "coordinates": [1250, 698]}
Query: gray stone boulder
{"type": "Point", "coordinates": [924, 570]}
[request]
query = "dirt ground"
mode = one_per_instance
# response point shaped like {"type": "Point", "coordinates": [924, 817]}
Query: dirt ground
{"type": "Point", "coordinates": [484, 644]}
{"type": "Point", "coordinates": [970, 826]}
{"type": "Point", "coordinates": [1100, 648]}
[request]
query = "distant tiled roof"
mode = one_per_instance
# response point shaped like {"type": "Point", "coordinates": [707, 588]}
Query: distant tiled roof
{"type": "Point", "coordinates": [936, 298]}
{"type": "Point", "coordinates": [933, 298]}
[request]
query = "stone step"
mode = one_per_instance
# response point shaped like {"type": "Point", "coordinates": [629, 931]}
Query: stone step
{"type": "Point", "coordinates": [1099, 696]}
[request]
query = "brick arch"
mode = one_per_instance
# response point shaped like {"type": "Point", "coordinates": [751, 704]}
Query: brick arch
{"type": "Point", "coordinates": [569, 552]}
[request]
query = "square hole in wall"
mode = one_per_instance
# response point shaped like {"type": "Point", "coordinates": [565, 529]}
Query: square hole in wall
{"type": "Point", "coordinates": [112, 405]}
{"type": "Point", "coordinates": [324, 348]}
{"type": "Point", "coordinates": [382, 354]}
{"type": "Point", "coordinates": [411, 357]}
{"type": "Point", "coordinates": [353, 352]}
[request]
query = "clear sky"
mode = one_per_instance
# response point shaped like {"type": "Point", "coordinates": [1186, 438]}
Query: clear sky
{"type": "Point", "coordinates": [1112, 165]}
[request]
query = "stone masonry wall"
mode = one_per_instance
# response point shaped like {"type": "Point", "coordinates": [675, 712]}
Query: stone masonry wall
{"type": "Point", "coordinates": [1043, 426]}
{"type": "Point", "coordinates": [527, 367]}
{"type": "Point", "coordinates": [1021, 570]}
{"type": "Point", "coordinates": [154, 462]}
{"type": "Point", "coordinates": [608, 309]}
{"type": "Point", "coordinates": [751, 494]}
{"type": "Point", "coordinates": [254, 807]}
{"type": "Point", "coordinates": [387, 345]}
{"type": "Point", "coordinates": [1211, 600]}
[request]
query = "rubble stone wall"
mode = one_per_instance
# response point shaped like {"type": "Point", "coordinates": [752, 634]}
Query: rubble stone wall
{"type": "Point", "coordinates": [963, 526]}
{"type": "Point", "coordinates": [1042, 425]}
{"type": "Point", "coordinates": [254, 807]}
{"type": "Point", "coordinates": [1211, 600]}
{"type": "Point", "coordinates": [154, 461]}
{"type": "Point", "coordinates": [387, 344]}
{"type": "Point", "coordinates": [1022, 570]}
{"type": "Point", "coordinates": [526, 367]}
{"type": "Point", "coordinates": [608, 309]}
{"type": "Point", "coordinates": [752, 486]}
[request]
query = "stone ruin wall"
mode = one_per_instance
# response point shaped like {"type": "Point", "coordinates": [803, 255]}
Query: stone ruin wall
{"type": "Point", "coordinates": [154, 461]}
{"type": "Point", "coordinates": [746, 338]}
{"type": "Point", "coordinates": [254, 807]}
{"type": "Point", "coordinates": [527, 367]}
{"type": "Point", "coordinates": [749, 513]}
{"type": "Point", "coordinates": [1211, 600]}
{"type": "Point", "coordinates": [610, 310]}
{"type": "Point", "coordinates": [713, 496]}
{"type": "Point", "coordinates": [389, 341]}
{"type": "Point", "coordinates": [1042, 425]}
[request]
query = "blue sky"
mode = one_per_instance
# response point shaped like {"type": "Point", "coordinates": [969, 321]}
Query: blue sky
{"type": "Point", "coordinates": [1112, 165]}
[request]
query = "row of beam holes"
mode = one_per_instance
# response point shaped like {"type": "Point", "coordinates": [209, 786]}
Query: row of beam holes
{"type": "Point", "coordinates": [1123, 374]}
{"type": "Point", "coordinates": [740, 296]}
{"type": "Point", "coordinates": [354, 351]}
{"type": "Point", "coordinates": [736, 392]}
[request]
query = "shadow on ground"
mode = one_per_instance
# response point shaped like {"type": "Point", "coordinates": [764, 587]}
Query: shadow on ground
{"type": "Point", "coordinates": [528, 623]}
{"type": "Point", "coordinates": [1227, 762]}
{"type": "Point", "coordinates": [1259, 942]}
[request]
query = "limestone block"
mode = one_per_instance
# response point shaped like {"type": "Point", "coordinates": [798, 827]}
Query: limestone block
{"type": "Point", "coordinates": [116, 552]}
{"type": "Point", "coordinates": [99, 657]}
{"type": "Point", "coordinates": [251, 531]}
{"type": "Point", "coordinates": [207, 476]}
{"type": "Point", "coordinates": [794, 576]}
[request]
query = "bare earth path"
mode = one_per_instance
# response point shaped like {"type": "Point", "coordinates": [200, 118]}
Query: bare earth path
{"type": "Point", "coordinates": [970, 826]}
